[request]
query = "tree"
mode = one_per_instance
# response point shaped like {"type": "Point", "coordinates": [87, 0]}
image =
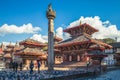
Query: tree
{"type": "Point", "coordinates": [108, 40]}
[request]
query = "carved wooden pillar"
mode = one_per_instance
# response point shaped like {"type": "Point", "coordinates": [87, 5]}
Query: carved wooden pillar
{"type": "Point", "coordinates": [70, 58]}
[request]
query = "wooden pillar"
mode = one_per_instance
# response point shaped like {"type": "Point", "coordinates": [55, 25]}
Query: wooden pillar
{"type": "Point", "coordinates": [78, 57]}
{"type": "Point", "coordinates": [70, 58]}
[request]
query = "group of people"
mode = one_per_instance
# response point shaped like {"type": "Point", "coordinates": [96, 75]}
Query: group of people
{"type": "Point", "coordinates": [32, 66]}
{"type": "Point", "coordinates": [15, 65]}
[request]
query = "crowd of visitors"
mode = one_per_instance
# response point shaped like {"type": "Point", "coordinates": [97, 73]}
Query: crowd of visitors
{"type": "Point", "coordinates": [14, 66]}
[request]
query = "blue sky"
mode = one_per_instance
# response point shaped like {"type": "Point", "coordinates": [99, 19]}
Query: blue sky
{"type": "Point", "coordinates": [19, 12]}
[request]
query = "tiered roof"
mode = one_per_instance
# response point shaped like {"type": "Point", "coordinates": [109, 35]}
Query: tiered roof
{"type": "Point", "coordinates": [82, 35]}
{"type": "Point", "coordinates": [32, 43]}
{"type": "Point", "coordinates": [8, 55]}
{"type": "Point", "coordinates": [79, 30]}
{"type": "Point", "coordinates": [30, 51]}
{"type": "Point", "coordinates": [8, 51]}
{"type": "Point", "coordinates": [31, 48]}
{"type": "Point", "coordinates": [82, 40]}
{"type": "Point", "coordinates": [10, 46]}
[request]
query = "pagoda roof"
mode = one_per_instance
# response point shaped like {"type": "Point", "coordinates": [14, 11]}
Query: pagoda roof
{"type": "Point", "coordinates": [8, 55]}
{"type": "Point", "coordinates": [68, 30]}
{"type": "Point", "coordinates": [10, 45]}
{"type": "Point", "coordinates": [74, 41]}
{"type": "Point", "coordinates": [84, 39]}
{"type": "Point", "coordinates": [57, 39]}
{"type": "Point", "coordinates": [17, 48]}
{"type": "Point", "coordinates": [8, 50]}
{"type": "Point", "coordinates": [101, 43]}
{"type": "Point", "coordinates": [30, 51]}
{"type": "Point", "coordinates": [97, 46]}
{"type": "Point", "coordinates": [32, 42]}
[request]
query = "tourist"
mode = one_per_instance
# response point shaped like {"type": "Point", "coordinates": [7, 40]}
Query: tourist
{"type": "Point", "coordinates": [31, 67]}
{"type": "Point", "coordinates": [13, 66]}
{"type": "Point", "coordinates": [38, 64]}
{"type": "Point", "coordinates": [16, 66]}
{"type": "Point", "coordinates": [10, 65]}
{"type": "Point", "coordinates": [21, 66]}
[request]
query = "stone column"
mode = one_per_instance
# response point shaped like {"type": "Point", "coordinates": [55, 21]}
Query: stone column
{"type": "Point", "coordinates": [50, 15]}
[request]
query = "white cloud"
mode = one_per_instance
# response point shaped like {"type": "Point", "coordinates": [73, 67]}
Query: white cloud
{"type": "Point", "coordinates": [13, 29]}
{"type": "Point", "coordinates": [43, 39]}
{"type": "Point", "coordinates": [66, 36]}
{"type": "Point", "coordinates": [7, 43]}
{"type": "Point", "coordinates": [40, 38]}
{"type": "Point", "coordinates": [59, 32]}
{"type": "Point", "coordinates": [106, 29]}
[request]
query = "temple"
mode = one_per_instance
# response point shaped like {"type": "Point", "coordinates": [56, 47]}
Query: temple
{"type": "Point", "coordinates": [31, 50]}
{"type": "Point", "coordinates": [81, 47]}
{"type": "Point", "coordinates": [8, 54]}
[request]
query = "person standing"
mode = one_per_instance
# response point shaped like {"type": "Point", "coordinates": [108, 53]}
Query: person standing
{"type": "Point", "coordinates": [31, 67]}
{"type": "Point", "coordinates": [16, 66]}
{"type": "Point", "coordinates": [13, 65]}
{"type": "Point", "coordinates": [38, 64]}
{"type": "Point", "coordinates": [21, 66]}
